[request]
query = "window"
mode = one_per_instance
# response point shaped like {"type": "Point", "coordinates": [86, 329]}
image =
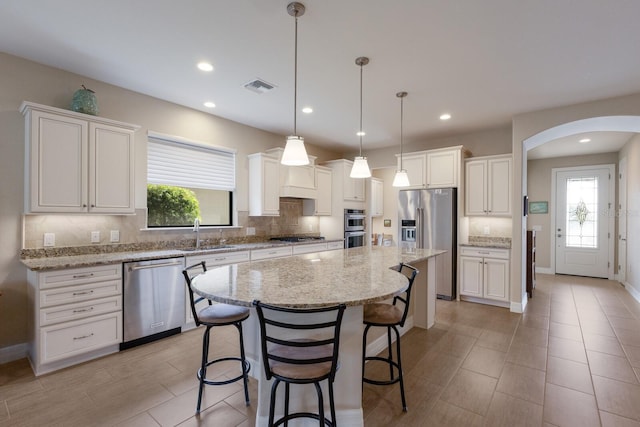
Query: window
{"type": "Point", "coordinates": [187, 180]}
{"type": "Point", "coordinates": [582, 205]}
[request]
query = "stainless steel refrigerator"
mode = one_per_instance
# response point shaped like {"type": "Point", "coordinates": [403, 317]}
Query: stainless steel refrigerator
{"type": "Point", "coordinates": [428, 219]}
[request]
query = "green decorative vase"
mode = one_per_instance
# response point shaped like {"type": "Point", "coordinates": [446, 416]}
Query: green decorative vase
{"type": "Point", "coordinates": [84, 101]}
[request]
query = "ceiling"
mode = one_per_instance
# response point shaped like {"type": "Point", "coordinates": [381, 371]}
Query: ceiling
{"type": "Point", "coordinates": [481, 61]}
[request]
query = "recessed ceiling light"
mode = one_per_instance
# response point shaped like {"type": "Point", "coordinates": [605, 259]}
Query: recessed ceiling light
{"type": "Point", "coordinates": [584, 140]}
{"type": "Point", "coordinates": [205, 66]}
{"type": "Point", "coordinates": [209, 104]}
{"type": "Point", "coordinates": [360, 133]}
{"type": "Point", "coordinates": [307, 110]}
{"type": "Point", "coordinates": [445, 116]}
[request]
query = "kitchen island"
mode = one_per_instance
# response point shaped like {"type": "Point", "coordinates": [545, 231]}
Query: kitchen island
{"type": "Point", "coordinates": [355, 277]}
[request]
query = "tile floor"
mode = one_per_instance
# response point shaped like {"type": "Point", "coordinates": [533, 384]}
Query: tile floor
{"type": "Point", "coordinates": [572, 359]}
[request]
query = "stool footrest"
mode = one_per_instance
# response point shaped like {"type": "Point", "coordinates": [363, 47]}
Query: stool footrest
{"type": "Point", "coordinates": [290, 417]}
{"type": "Point", "coordinates": [245, 370]}
{"type": "Point", "coordinates": [393, 380]}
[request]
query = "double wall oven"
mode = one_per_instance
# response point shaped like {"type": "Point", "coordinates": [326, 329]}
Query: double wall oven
{"type": "Point", "coordinates": [354, 234]}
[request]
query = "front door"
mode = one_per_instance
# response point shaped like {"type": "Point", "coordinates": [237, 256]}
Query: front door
{"type": "Point", "coordinates": [582, 221]}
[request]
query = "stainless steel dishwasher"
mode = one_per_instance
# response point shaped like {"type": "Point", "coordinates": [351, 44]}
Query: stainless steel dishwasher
{"type": "Point", "coordinates": [153, 300]}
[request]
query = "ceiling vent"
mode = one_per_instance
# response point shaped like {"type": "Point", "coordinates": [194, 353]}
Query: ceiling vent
{"type": "Point", "coordinates": [259, 86]}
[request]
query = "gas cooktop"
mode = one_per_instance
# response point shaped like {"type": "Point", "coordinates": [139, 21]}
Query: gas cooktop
{"type": "Point", "coordinates": [294, 239]}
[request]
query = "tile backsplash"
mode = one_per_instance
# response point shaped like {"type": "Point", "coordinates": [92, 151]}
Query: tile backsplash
{"type": "Point", "coordinates": [75, 230]}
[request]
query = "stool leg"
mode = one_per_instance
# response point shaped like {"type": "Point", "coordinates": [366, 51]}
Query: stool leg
{"type": "Point", "coordinates": [202, 374]}
{"type": "Point", "coordinates": [404, 402]}
{"type": "Point", "coordinates": [390, 348]}
{"type": "Point", "coordinates": [243, 363]}
{"type": "Point", "coordinates": [320, 404]}
{"type": "Point", "coordinates": [364, 350]}
{"type": "Point", "coordinates": [272, 405]}
{"type": "Point", "coordinates": [332, 404]}
{"type": "Point", "coordinates": [286, 403]}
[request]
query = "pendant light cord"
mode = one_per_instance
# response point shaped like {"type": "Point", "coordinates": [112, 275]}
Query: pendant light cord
{"type": "Point", "coordinates": [360, 133]}
{"type": "Point", "coordinates": [295, 80]}
{"type": "Point", "coordinates": [401, 129]}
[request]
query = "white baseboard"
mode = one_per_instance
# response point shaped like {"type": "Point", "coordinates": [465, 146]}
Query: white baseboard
{"type": "Point", "coordinates": [13, 352]}
{"type": "Point", "coordinates": [380, 343]}
{"type": "Point", "coordinates": [544, 270]}
{"type": "Point", "coordinates": [633, 291]}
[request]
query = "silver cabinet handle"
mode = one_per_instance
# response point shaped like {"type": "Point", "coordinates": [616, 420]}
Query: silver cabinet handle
{"type": "Point", "coordinates": [82, 276]}
{"type": "Point", "coordinates": [165, 264]}
{"type": "Point", "coordinates": [84, 310]}
{"type": "Point", "coordinates": [83, 337]}
{"type": "Point", "coordinates": [83, 293]}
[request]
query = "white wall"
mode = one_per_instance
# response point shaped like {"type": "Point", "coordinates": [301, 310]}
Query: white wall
{"type": "Point", "coordinates": [632, 152]}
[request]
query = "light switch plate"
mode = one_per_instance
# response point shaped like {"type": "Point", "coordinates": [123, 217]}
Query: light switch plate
{"type": "Point", "coordinates": [251, 231]}
{"type": "Point", "coordinates": [49, 239]}
{"type": "Point", "coordinates": [487, 230]}
{"type": "Point", "coordinates": [537, 228]}
{"type": "Point", "coordinates": [95, 237]}
{"type": "Point", "coordinates": [115, 236]}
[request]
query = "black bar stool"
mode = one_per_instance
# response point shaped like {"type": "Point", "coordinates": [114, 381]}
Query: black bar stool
{"type": "Point", "coordinates": [210, 316]}
{"type": "Point", "coordinates": [300, 361]}
{"type": "Point", "coordinates": [389, 316]}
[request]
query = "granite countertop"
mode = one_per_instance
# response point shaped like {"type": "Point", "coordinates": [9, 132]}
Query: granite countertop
{"type": "Point", "coordinates": [488, 242]}
{"type": "Point", "coordinates": [114, 257]}
{"type": "Point", "coordinates": [353, 276]}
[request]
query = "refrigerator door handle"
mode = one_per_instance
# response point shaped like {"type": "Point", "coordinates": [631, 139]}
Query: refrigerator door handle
{"type": "Point", "coordinates": [419, 240]}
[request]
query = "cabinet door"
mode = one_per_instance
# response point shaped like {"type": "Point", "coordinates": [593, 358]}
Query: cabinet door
{"type": "Point", "coordinates": [323, 201]}
{"type": "Point", "coordinates": [475, 197]}
{"type": "Point", "coordinates": [111, 169]}
{"type": "Point", "coordinates": [499, 187]}
{"type": "Point", "coordinates": [471, 276]}
{"type": "Point", "coordinates": [58, 163]}
{"type": "Point", "coordinates": [442, 169]}
{"type": "Point", "coordinates": [496, 279]}
{"type": "Point", "coordinates": [376, 206]}
{"type": "Point", "coordinates": [416, 167]}
{"type": "Point", "coordinates": [353, 187]}
{"type": "Point", "coordinates": [264, 186]}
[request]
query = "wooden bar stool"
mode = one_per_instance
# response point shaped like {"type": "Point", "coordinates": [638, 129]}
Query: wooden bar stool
{"type": "Point", "coordinates": [389, 316]}
{"type": "Point", "coordinates": [294, 360]}
{"type": "Point", "coordinates": [210, 316]}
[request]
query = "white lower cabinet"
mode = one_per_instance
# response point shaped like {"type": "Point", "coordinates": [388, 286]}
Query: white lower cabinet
{"type": "Point", "coordinates": [484, 273]}
{"type": "Point", "coordinates": [274, 252]}
{"type": "Point", "coordinates": [76, 315]}
{"type": "Point", "coordinates": [332, 246]}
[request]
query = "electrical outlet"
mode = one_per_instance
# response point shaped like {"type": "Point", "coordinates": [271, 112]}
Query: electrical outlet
{"type": "Point", "coordinates": [115, 236]}
{"type": "Point", "coordinates": [49, 239]}
{"type": "Point", "coordinates": [487, 230]}
{"type": "Point", "coordinates": [95, 237]}
{"type": "Point", "coordinates": [251, 231]}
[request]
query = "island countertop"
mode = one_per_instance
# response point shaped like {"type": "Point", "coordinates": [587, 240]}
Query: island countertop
{"type": "Point", "coordinates": [353, 276]}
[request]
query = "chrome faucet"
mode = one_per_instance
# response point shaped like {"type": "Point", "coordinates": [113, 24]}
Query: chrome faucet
{"type": "Point", "coordinates": [196, 229]}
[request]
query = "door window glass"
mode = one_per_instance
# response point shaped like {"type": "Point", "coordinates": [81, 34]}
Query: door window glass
{"type": "Point", "coordinates": [582, 209]}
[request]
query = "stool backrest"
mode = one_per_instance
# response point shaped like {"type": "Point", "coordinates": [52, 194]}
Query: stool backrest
{"type": "Point", "coordinates": [410, 273]}
{"type": "Point", "coordinates": [280, 327]}
{"type": "Point", "coordinates": [189, 274]}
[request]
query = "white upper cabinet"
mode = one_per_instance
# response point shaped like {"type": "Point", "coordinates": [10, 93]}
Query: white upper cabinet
{"type": "Point", "coordinates": [296, 181]}
{"type": "Point", "coordinates": [322, 204]}
{"type": "Point", "coordinates": [488, 186]}
{"type": "Point", "coordinates": [376, 201]}
{"type": "Point", "coordinates": [439, 168]}
{"type": "Point", "coordinates": [352, 188]}
{"type": "Point", "coordinates": [264, 185]}
{"type": "Point", "coordinates": [77, 163]}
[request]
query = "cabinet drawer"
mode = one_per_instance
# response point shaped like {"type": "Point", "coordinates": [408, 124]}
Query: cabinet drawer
{"type": "Point", "coordinates": [72, 294]}
{"type": "Point", "coordinates": [306, 249]}
{"type": "Point", "coordinates": [69, 339]}
{"type": "Point", "coordinates": [220, 259]}
{"type": "Point", "coordinates": [335, 245]}
{"type": "Point", "coordinates": [68, 312]}
{"type": "Point", "coordinates": [485, 252]}
{"type": "Point", "coordinates": [67, 277]}
{"type": "Point", "coordinates": [266, 253]}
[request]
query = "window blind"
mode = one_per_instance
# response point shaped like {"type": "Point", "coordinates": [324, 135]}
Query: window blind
{"type": "Point", "coordinates": [175, 161]}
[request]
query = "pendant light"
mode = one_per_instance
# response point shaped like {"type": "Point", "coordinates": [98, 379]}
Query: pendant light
{"type": "Point", "coordinates": [294, 152]}
{"type": "Point", "coordinates": [360, 167]}
{"type": "Point", "coordinates": [401, 179]}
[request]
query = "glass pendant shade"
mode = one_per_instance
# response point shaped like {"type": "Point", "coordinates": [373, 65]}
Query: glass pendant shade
{"type": "Point", "coordinates": [294, 152]}
{"type": "Point", "coordinates": [360, 168]}
{"type": "Point", "coordinates": [401, 179]}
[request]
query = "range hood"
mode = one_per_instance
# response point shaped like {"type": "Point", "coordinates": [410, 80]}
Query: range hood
{"type": "Point", "coordinates": [296, 181]}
